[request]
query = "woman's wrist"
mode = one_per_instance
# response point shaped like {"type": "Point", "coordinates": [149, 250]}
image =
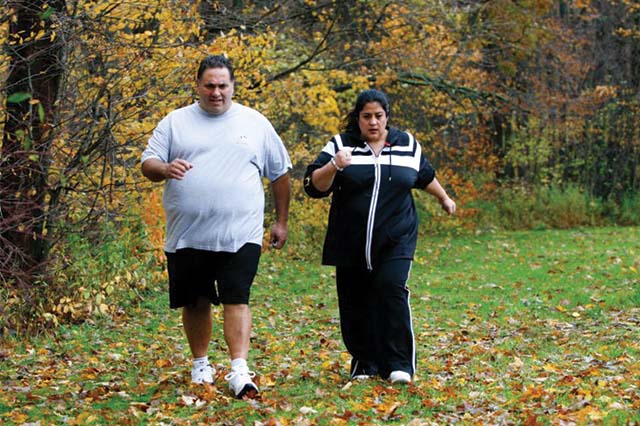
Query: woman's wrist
{"type": "Point", "coordinates": [335, 164]}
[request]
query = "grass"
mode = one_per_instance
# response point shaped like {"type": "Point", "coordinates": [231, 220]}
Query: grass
{"type": "Point", "coordinates": [511, 328]}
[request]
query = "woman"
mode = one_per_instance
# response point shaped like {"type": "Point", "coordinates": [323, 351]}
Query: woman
{"type": "Point", "coordinates": [371, 169]}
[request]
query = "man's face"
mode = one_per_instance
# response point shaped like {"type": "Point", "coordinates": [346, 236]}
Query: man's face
{"type": "Point", "coordinates": [215, 90]}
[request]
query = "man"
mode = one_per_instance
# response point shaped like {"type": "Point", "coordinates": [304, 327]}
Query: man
{"type": "Point", "coordinates": [212, 156]}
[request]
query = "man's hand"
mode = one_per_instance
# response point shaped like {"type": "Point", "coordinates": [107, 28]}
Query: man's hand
{"type": "Point", "coordinates": [278, 235]}
{"type": "Point", "coordinates": [281, 188]}
{"type": "Point", "coordinates": [177, 169]}
{"type": "Point", "coordinates": [157, 170]}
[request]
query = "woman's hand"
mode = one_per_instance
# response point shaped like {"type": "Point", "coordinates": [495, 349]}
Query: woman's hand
{"type": "Point", "coordinates": [434, 188]}
{"type": "Point", "coordinates": [343, 157]}
{"type": "Point", "coordinates": [448, 205]}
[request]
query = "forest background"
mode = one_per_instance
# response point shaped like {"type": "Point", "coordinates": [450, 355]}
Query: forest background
{"type": "Point", "coordinates": [529, 110]}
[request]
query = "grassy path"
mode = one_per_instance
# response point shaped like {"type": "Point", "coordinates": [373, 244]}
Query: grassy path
{"type": "Point", "coordinates": [512, 328]}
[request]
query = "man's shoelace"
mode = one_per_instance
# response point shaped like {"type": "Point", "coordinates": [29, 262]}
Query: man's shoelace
{"type": "Point", "coordinates": [231, 375]}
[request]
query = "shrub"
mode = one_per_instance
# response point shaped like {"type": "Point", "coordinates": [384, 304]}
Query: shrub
{"type": "Point", "coordinates": [570, 207]}
{"type": "Point", "coordinates": [516, 207]}
{"type": "Point", "coordinates": [94, 273]}
{"type": "Point", "coordinates": [628, 212]}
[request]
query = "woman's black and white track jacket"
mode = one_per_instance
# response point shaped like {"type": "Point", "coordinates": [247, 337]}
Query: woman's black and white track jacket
{"type": "Point", "coordinates": [373, 216]}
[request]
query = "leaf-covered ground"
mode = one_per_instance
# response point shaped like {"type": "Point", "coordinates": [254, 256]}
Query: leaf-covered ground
{"type": "Point", "coordinates": [512, 328]}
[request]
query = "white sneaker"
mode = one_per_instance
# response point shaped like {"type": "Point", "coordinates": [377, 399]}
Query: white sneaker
{"type": "Point", "coordinates": [400, 377]}
{"type": "Point", "coordinates": [361, 377]}
{"type": "Point", "coordinates": [202, 375]}
{"type": "Point", "coordinates": [240, 383]}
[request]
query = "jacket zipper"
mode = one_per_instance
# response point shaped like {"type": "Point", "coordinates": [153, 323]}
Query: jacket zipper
{"type": "Point", "coordinates": [372, 210]}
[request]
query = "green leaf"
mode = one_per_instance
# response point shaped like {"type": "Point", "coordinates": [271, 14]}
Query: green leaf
{"type": "Point", "coordinates": [18, 97]}
{"type": "Point", "coordinates": [46, 14]}
{"type": "Point", "coordinates": [26, 142]}
{"type": "Point", "coordinates": [41, 112]}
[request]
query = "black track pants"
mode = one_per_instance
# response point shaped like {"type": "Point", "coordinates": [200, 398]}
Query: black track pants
{"type": "Point", "coordinates": [375, 318]}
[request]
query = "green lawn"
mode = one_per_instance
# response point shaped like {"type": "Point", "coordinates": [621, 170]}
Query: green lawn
{"type": "Point", "coordinates": [512, 328]}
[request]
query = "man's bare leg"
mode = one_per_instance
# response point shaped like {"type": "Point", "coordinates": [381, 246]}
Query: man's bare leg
{"type": "Point", "coordinates": [237, 334]}
{"type": "Point", "coordinates": [198, 323]}
{"type": "Point", "coordinates": [237, 330]}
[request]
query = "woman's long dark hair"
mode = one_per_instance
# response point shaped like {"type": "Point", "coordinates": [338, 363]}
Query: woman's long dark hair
{"type": "Point", "coordinates": [372, 95]}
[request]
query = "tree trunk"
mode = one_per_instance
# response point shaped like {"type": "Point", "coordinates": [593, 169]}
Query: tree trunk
{"type": "Point", "coordinates": [32, 88]}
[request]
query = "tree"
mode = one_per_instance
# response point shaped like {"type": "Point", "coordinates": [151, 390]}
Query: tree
{"type": "Point", "coordinates": [81, 78]}
{"type": "Point", "coordinates": [36, 53]}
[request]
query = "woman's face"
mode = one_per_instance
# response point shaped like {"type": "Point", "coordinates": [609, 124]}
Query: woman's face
{"type": "Point", "coordinates": [373, 122]}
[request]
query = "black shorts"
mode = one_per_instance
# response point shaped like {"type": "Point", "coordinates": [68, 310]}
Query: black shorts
{"type": "Point", "coordinates": [222, 277]}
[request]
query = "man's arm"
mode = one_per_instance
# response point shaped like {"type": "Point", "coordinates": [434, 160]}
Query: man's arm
{"type": "Point", "coordinates": [281, 189]}
{"type": "Point", "coordinates": [157, 170]}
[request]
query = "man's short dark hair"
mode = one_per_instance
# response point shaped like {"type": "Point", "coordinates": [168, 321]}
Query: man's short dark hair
{"type": "Point", "coordinates": [215, 61]}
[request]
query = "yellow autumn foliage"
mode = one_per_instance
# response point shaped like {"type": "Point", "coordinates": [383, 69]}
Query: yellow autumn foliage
{"type": "Point", "coordinates": [487, 88]}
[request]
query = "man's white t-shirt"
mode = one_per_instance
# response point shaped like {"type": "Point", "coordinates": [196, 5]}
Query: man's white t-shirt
{"type": "Point", "coordinates": [219, 205]}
